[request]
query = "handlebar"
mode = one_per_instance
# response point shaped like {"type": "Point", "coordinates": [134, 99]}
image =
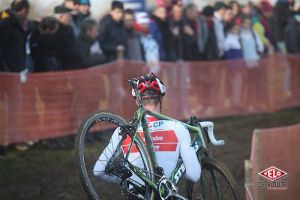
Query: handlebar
{"type": "Point", "coordinates": [210, 131]}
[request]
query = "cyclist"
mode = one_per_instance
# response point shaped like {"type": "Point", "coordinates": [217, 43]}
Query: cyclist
{"type": "Point", "coordinates": [171, 139]}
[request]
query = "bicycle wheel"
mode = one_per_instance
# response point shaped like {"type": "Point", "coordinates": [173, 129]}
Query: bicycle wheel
{"type": "Point", "coordinates": [216, 183]}
{"type": "Point", "coordinates": [94, 146]}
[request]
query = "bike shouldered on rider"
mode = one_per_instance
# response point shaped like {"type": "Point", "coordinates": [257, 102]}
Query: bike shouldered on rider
{"type": "Point", "coordinates": [171, 139]}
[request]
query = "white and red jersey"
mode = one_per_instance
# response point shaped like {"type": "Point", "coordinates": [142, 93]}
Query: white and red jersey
{"type": "Point", "coordinates": [171, 141]}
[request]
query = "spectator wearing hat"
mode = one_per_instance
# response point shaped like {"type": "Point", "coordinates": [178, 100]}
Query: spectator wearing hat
{"type": "Point", "coordinates": [220, 9]}
{"type": "Point", "coordinates": [133, 37]}
{"type": "Point", "coordinates": [88, 44]}
{"type": "Point", "coordinates": [70, 55]}
{"type": "Point", "coordinates": [13, 36]}
{"type": "Point", "coordinates": [83, 11]}
{"type": "Point", "coordinates": [112, 35]}
{"type": "Point", "coordinates": [72, 6]}
{"type": "Point", "coordinates": [150, 48]}
{"type": "Point", "coordinates": [265, 13]}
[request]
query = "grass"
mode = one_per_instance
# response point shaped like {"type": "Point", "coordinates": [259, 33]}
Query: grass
{"type": "Point", "coordinates": [43, 173]}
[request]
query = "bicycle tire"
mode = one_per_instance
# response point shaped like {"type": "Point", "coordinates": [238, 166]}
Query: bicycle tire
{"type": "Point", "coordinates": [79, 151]}
{"type": "Point", "coordinates": [213, 166]}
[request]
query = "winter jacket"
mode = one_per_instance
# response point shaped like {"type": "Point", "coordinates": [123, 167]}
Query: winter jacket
{"type": "Point", "coordinates": [164, 37]}
{"type": "Point", "coordinates": [56, 51]}
{"type": "Point", "coordinates": [111, 35]}
{"type": "Point", "coordinates": [12, 42]}
{"type": "Point", "coordinates": [292, 36]}
{"type": "Point", "coordinates": [85, 45]}
{"type": "Point", "coordinates": [134, 45]}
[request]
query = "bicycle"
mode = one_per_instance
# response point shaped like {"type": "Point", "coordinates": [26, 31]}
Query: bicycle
{"type": "Point", "coordinates": [147, 181]}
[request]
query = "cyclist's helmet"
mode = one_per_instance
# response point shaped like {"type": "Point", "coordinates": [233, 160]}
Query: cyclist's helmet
{"type": "Point", "coordinates": [150, 86]}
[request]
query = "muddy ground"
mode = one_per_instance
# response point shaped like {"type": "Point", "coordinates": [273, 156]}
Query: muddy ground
{"type": "Point", "coordinates": [47, 172]}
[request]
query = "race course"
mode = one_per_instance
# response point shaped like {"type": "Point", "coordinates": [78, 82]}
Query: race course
{"type": "Point", "coordinates": [47, 172]}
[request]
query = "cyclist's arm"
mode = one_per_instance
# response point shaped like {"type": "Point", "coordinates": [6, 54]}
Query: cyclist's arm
{"type": "Point", "coordinates": [189, 157]}
{"type": "Point", "coordinates": [99, 168]}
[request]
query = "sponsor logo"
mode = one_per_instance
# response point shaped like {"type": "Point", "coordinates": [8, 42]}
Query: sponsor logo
{"type": "Point", "coordinates": [162, 141]}
{"type": "Point", "coordinates": [155, 124]}
{"type": "Point", "coordinates": [179, 173]}
{"type": "Point", "coordinates": [157, 138]}
{"type": "Point", "coordinates": [274, 177]}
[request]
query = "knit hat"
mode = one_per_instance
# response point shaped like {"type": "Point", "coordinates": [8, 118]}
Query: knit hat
{"type": "Point", "coordinates": [61, 10]}
{"type": "Point", "coordinates": [142, 18]}
{"type": "Point", "coordinates": [84, 2]}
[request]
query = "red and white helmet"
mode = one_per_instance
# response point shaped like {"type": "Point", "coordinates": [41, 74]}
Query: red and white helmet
{"type": "Point", "coordinates": [150, 82]}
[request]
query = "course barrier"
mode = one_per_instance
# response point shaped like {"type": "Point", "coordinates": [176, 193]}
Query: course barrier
{"type": "Point", "coordinates": [49, 105]}
{"type": "Point", "coordinates": [275, 147]}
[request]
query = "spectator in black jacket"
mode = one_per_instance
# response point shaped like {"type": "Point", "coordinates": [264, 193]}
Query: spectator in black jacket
{"type": "Point", "coordinates": [13, 36]}
{"type": "Point", "coordinates": [161, 32]}
{"type": "Point", "coordinates": [88, 45]}
{"type": "Point", "coordinates": [292, 36]}
{"type": "Point", "coordinates": [112, 35]}
{"type": "Point", "coordinates": [176, 26]}
{"type": "Point", "coordinates": [44, 47]}
{"type": "Point", "coordinates": [73, 6]}
{"type": "Point", "coordinates": [65, 38]}
{"type": "Point", "coordinates": [190, 33]}
{"type": "Point", "coordinates": [281, 14]}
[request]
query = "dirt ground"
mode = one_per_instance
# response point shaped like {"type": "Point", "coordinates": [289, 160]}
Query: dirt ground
{"type": "Point", "coordinates": [47, 173]}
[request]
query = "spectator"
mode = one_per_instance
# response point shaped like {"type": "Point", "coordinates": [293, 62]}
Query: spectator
{"type": "Point", "coordinates": [292, 36]}
{"type": "Point", "coordinates": [13, 36]}
{"type": "Point", "coordinates": [149, 44]}
{"type": "Point", "coordinates": [235, 8]}
{"type": "Point", "coordinates": [133, 37]}
{"type": "Point", "coordinates": [44, 47]}
{"type": "Point", "coordinates": [281, 14]}
{"type": "Point", "coordinates": [251, 44]}
{"type": "Point", "coordinates": [88, 44]}
{"type": "Point", "coordinates": [228, 19]}
{"type": "Point", "coordinates": [232, 46]}
{"type": "Point", "coordinates": [112, 34]}
{"type": "Point", "coordinates": [176, 26]}
{"type": "Point", "coordinates": [259, 29]}
{"type": "Point", "coordinates": [69, 53]}
{"type": "Point", "coordinates": [265, 14]}
{"type": "Point", "coordinates": [207, 41]}
{"type": "Point", "coordinates": [161, 32]}
{"type": "Point", "coordinates": [73, 6]}
{"type": "Point", "coordinates": [83, 11]}
{"type": "Point", "coordinates": [220, 9]}
{"type": "Point", "coordinates": [190, 37]}
{"type": "Point", "coordinates": [168, 4]}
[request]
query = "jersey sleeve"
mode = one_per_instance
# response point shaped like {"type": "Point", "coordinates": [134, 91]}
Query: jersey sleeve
{"type": "Point", "coordinates": [99, 167]}
{"type": "Point", "coordinates": [188, 156]}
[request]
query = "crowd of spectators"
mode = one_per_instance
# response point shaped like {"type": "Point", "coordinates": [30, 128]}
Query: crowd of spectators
{"type": "Point", "coordinates": [171, 31]}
